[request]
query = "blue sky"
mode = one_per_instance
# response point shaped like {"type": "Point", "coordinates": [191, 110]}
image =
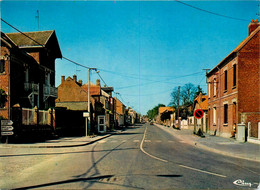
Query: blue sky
{"type": "Point", "coordinates": [143, 49]}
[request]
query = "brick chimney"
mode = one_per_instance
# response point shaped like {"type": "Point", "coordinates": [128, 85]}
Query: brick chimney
{"type": "Point", "coordinates": [252, 26]}
{"type": "Point", "coordinates": [62, 79]}
{"type": "Point", "coordinates": [98, 82]}
{"type": "Point", "coordinates": [80, 82]}
{"type": "Point", "coordinates": [75, 78]}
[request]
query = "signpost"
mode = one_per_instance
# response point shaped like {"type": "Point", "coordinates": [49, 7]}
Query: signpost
{"type": "Point", "coordinates": [7, 128]}
{"type": "Point", "coordinates": [198, 113]}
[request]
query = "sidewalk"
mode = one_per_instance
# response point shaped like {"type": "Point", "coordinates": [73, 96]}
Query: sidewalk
{"type": "Point", "coordinates": [61, 142]}
{"type": "Point", "coordinates": [225, 146]}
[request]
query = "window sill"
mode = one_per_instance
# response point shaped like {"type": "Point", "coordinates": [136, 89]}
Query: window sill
{"type": "Point", "coordinates": [234, 87]}
{"type": "Point", "coordinates": [3, 73]}
{"type": "Point", "coordinates": [225, 125]}
{"type": "Point", "coordinates": [225, 91]}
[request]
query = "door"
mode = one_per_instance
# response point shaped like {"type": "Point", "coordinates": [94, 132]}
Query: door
{"type": "Point", "coordinates": [101, 124]}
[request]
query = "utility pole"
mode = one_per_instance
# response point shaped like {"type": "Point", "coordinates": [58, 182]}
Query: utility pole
{"type": "Point", "coordinates": [115, 109]}
{"type": "Point", "coordinates": [38, 18]}
{"type": "Point", "coordinates": [206, 70]}
{"type": "Point", "coordinates": [89, 110]}
{"type": "Point", "coordinates": [178, 104]}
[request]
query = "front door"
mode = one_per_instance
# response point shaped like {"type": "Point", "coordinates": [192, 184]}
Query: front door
{"type": "Point", "coordinates": [101, 124]}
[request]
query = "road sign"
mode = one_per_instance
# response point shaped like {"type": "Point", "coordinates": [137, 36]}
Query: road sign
{"type": "Point", "coordinates": [199, 113]}
{"type": "Point", "coordinates": [7, 133]}
{"type": "Point", "coordinates": [7, 128]}
{"type": "Point", "coordinates": [6, 122]}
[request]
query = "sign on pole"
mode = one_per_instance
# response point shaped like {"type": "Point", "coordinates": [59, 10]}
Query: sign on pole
{"type": "Point", "coordinates": [7, 133]}
{"type": "Point", "coordinates": [6, 127]}
{"type": "Point", "coordinates": [198, 113]}
{"type": "Point", "coordinates": [6, 122]}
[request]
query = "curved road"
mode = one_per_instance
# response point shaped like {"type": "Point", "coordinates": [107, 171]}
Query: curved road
{"type": "Point", "coordinates": [142, 157]}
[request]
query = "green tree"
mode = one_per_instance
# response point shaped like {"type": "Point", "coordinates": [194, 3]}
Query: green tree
{"type": "Point", "coordinates": [154, 112]}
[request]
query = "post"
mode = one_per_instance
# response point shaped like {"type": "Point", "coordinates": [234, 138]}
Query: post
{"type": "Point", "coordinates": [248, 130]}
{"type": "Point", "coordinates": [88, 118]}
{"type": "Point", "coordinates": [219, 112]}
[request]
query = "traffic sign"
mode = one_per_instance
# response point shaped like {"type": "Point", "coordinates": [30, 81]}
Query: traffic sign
{"type": "Point", "coordinates": [7, 133]}
{"type": "Point", "coordinates": [199, 113]}
{"type": "Point", "coordinates": [6, 122]}
{"type": "Point", "coordinates": [7, 128]}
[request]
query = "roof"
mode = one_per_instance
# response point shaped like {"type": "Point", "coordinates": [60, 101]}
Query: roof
{"type": "Point", "coordinates": [236, 50]}
{"type": "Point", "coordinates": [42, 37]}
{"type": "Point", "coordinates": [94, 89]}
{"type": "Point", "coordinates": [165, 109]}
{"type": "Point", "coordinates": [203, 102]}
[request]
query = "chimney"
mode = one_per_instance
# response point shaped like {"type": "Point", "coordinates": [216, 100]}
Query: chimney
{"type": "Point", "coordinates": [80, 82]}
{"type": "Point", "coordinates": [98, 82]}
{"type": "Point", "coordinates": [75, 78]}
{"type": "Point", "coordinates": [252, 26]}
{"type": "Point", "coordinates": [62, 79]}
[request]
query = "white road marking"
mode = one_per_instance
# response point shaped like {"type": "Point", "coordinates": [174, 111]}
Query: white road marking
{"type": "Point", "coordinates": [170, 141]}
{"type": "Point", "coordinates": [187, 167]}
{"type": "Point", "coordinates": [141, 148]}
{"type": "Point", "coordinates": [102, 141]}
{"type": "Point", "coordinates": [147, 141]}
{"type": "Point", "coordinates": [198, 170]}
{"type": "Point", "coordinates": [113, 141]}
{"type": "Point", "coordinates": [158, 141]}
{"type": "Point", "coordinates": [136, 140]}
{"type": "Point", "coordinates": [124, 140]}
{"type": "Point", "coordinates": [183, 142]}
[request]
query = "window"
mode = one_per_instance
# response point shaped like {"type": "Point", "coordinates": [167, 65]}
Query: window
{"type": "Point", "coordinates": [225, 80]}
{"type": "Point", "coordinates": [225, 113]}
{"type": "Point", "coordinates": [215, 87]}
{"type": "Point", "coordinates": [234, 75]}
{"type": "Point", "coordinates": [214, 115]}
{"type": "Point", "coordinates": [2, 66]}
{"type": "Point", "coordinates": [26, 75]}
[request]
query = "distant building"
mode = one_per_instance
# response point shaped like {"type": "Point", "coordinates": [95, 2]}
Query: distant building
{"type": "Point", "coordinates": [201, 102]}
{"type": "Point", "coordinates": [166, 115]}
{"type": "Point", "coordinates": [233, 87]}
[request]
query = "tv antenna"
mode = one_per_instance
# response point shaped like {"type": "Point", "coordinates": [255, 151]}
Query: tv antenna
{"type": "Point", "coordinates": [38, 18]}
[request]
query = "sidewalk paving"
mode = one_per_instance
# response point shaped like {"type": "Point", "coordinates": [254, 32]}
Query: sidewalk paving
{"type": "Point", "coordinates": [225, 146]}
{"type": "Point", "coordinates": [62, 142]}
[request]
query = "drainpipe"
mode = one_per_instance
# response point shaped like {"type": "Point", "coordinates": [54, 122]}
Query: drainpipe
{"type": "Point", "coordinates": [219, 114]}
{"type": "Point", "coordinates": [8, 58]}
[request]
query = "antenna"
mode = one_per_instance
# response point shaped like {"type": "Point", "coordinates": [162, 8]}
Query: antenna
{"type": "Point", "coordinates": [38, 18]}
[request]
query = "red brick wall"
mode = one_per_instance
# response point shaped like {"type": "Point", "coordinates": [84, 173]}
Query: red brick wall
{"type": "Point", "coordinates": [4, 82]}
{"type": "Point", "coordinates": [248, 77]}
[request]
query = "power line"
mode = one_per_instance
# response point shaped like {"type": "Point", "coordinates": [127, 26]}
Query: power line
{"type": "Point", "coordinates": [210, 12]}
{"type": "Point", "coordinates": [101, 78]}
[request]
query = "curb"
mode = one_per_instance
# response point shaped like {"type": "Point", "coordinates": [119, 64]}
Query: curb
{"type": "Point", "coordinates": [210, 149]}
{"type": "Point", "coordinates": [58, 146]}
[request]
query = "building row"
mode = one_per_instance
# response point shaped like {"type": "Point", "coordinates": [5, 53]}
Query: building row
{"type": "Point", "coordinates": [29, 98]}
{"type": "Point", "coordinates": [233, 96]}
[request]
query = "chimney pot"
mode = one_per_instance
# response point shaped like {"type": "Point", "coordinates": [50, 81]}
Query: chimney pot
{"type": "Point", "coordinates": [80, 82]}
{"type": "Point", "coordinates": [62, 79]}
{"type": "Point", "coordinates": [98, 82]}
{"type": "Point", "coordinates": [75, 78]}
{"type": "Point", "coordinates": [252, 26]}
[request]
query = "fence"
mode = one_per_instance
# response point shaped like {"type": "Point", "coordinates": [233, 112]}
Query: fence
{"type": "Point", "coordinates": [37, 117]}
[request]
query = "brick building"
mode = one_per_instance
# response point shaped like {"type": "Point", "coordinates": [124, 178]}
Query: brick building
{"type": "Point", "coordinates": [233, 87]}
{"type": "Point", "coordinates": [201, 102]}
{"type": "Point", "coordinates": [120, 112]}
{"type": "Point", "coordinates": [27, 73]}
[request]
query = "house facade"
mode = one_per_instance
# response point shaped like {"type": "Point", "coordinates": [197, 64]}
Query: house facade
{"type": "Point", "coordinates": [201, 102]}
{"type": "Point", "coordinates": [120, 113]}
{"type": "Point", "coordinates": [233, 88]}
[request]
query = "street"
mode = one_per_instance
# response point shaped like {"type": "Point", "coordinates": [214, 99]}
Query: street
{"type": "Point", "coordinates": [141, 157]}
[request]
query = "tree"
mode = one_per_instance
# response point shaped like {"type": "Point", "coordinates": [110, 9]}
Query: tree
{"type": "Point", "coordinates": [3, 98]}
{"type": "Point", "coordinates": [175, 97]}
{"type": "Point", "coordinates": [187, 93]}
{"type": "Point", "coordinates": [153, 112]}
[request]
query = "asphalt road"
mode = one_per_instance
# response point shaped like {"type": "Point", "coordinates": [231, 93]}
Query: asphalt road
{"type": "Point", "coordinates": [143, 157]}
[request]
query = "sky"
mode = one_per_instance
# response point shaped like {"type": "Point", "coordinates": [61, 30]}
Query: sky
{"type": "Point", "coordinates": [144, 49]}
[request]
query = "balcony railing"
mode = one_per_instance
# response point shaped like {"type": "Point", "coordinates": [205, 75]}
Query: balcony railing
{"type": "Point", "coordinates": [31, 87]}
{"type": "Point", "coordinates": [50, 91]}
